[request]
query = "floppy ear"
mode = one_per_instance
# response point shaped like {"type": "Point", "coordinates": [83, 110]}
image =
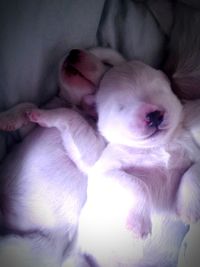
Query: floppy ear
{"type": "Point", "coordinates": [81, 71]}
{"type": "Point", "coordinates": [79, 75]}
{"type": "Point", "coordinates": [108, 56]}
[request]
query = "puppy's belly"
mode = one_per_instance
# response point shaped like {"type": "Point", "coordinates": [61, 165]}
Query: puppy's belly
{"type": "Point", "coordinates": [104, 236]}
{"type": "Point", "coordinates": [162, 183]}
{"type": "Point", "coordinates": [41, 186]}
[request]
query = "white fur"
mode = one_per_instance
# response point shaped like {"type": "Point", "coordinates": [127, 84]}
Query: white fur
{"type": "Point", "coordinates": [43, 186]}
{"type": "Point", "coordinates": [139, 169]}
{"type": "Point", "coordinates": [133, 189]}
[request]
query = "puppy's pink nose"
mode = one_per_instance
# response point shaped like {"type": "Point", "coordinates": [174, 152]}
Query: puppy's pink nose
{"type": "Point", "coordinates": [155, 118]}
{"type": "Point", "coordinates": [74, 56]}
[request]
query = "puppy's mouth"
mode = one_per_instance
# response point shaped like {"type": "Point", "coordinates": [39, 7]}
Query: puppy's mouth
{"type": "Point", "coordinates": [155, 133]}
{"type": "Point", "coordinates": [158, 131]}
{"type": "Point", "coordinates": [157, 122]}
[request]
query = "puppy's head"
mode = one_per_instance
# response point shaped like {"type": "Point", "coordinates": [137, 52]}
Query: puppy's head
{"type": "Point", "coordinates": [136, 106]}
{"type": "Point", "coordinates": [80, 72]}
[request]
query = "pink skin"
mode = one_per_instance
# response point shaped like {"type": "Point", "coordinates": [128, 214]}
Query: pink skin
{"type": "Point", "coordinates": [79, 74]}
{"type": "Point", "coordinates": [143, 120]}
{"type": "Point", "coordinates": [83, 64]}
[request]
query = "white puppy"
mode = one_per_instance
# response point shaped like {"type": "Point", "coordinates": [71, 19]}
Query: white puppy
{"type": "Point", "coordinates": [149, 170]}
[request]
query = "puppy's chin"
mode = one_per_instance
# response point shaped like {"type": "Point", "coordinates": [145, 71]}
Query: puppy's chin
{"type": "Point", "coordinates": [158, 139]}
{"type": "Point", "coordinates": [155, 138]}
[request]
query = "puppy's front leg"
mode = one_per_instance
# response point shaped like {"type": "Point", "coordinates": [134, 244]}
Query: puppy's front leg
{"type": "Point", "coordinates": [121, 193]}
{"type": "Point", "coordinates": [82, 142]}
{"type": "Point", "coordinates": [188, 196]}
{"type": "Point", "coordinates": [139, 215]}
{"type": "Point", "coordinates": [15, 117]}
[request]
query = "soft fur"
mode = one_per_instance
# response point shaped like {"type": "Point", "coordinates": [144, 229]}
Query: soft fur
{"type": "Point", "coordinates": [42, 188]}
{"type": "Point", "coordinates": [157, 167]}
{"type": "Point", "coordinates": [146, 182]}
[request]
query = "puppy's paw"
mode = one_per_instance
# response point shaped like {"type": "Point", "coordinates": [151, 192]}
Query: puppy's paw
{"type": "Point", "coordinates": [188, 209]}
{"type": "Point", "coordinates": [139, 223]}
{"type": "Point", "coordinates": [36, 115]}
{"type": "Point", "coordinates": [15, 118]}
{"type": "Point", "coordinates": [8, 126]}
{"type": "Point", "coordinates": [188, 202]}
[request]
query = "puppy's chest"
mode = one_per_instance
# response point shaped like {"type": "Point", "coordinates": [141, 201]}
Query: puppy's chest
{"type": "Point", "coordinates": [159, 165]}
{"type": "Point", "coordinates": [161, 172]}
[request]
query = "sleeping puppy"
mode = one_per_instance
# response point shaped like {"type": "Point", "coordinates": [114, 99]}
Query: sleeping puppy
{"type": "Point", "coordinates": [151, 154]}
{"type": "Point", "coordinates": [146, 182]}
{"type": "Point", "coordinates": [42, 188]}
{"type": "Point", "coordinates": [78, 75]}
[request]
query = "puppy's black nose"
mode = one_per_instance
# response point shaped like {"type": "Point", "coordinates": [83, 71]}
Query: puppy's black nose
{"type": "Point", "coordinates": [155, 118]}
{"type": "Point", "coordinates": [74, 56]}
